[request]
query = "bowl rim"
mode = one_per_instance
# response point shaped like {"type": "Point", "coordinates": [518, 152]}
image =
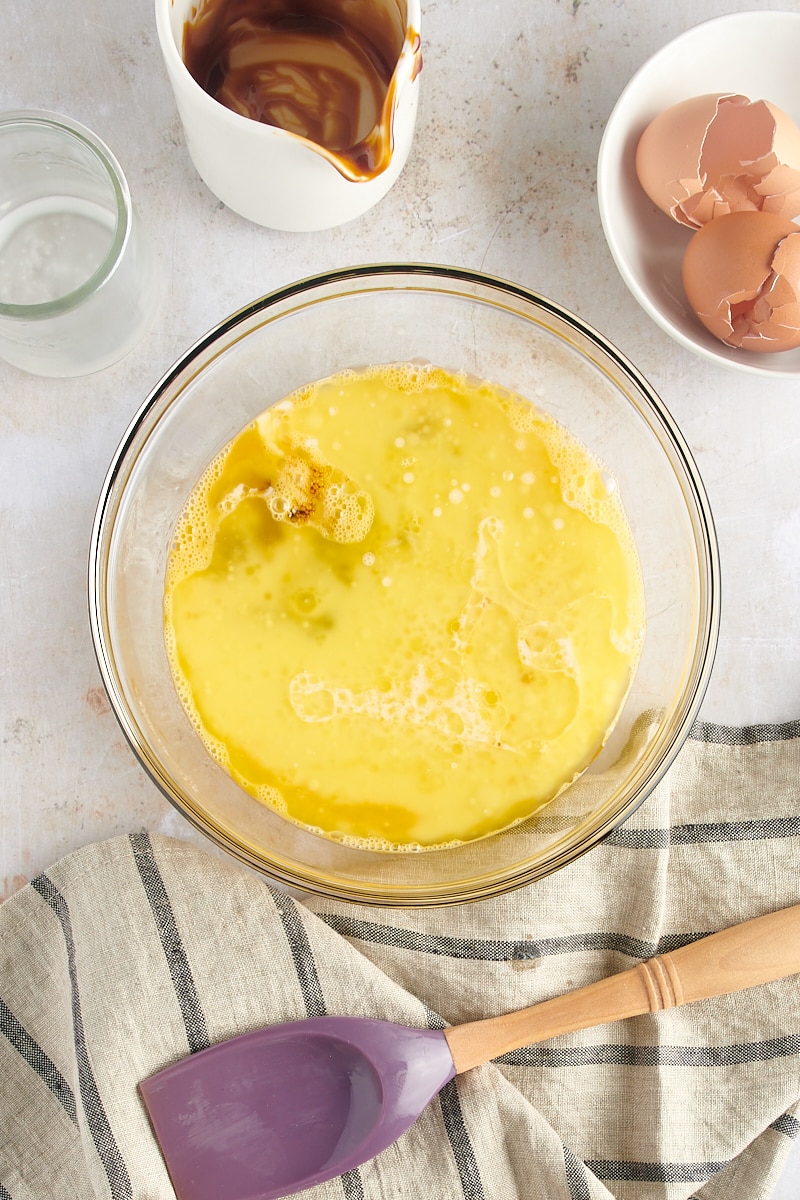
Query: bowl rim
{"type": "Point", "coordinates": [725, 356]}
{"type": "Point", "coordinates": [493, 882]}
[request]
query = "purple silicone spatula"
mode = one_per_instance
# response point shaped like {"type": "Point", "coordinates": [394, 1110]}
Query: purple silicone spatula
{"type": "Point", "coordinates": [279, 1109]}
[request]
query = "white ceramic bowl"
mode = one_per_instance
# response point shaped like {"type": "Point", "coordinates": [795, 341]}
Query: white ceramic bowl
{"type": "Point", "coordinates": [754, 53]}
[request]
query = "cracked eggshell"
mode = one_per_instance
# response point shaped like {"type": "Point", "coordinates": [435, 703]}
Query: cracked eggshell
{"type": "Point", "coordinates": [720, 153]}
{"type": "Point", "coordinates": [741, 275]}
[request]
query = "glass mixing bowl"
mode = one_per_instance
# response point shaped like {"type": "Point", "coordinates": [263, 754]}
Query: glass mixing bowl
{"type": "Point", "coordinates": [463, 321]}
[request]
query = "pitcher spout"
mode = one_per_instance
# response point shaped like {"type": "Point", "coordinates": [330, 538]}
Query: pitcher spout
{"type": "Point", "coordinates": [373, 154]}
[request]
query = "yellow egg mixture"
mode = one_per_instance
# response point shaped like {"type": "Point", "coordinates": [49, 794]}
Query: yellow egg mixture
{"type": "Point", "coordinates": [403, 607]}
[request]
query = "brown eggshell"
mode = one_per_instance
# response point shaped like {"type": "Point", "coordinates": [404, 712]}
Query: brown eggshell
{"type": "Point", "coordinates": [741, 275]}
{"type": "Point", "coordinates": [720, 153]}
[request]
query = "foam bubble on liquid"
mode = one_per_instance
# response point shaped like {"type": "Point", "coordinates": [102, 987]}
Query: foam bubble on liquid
{"type": "Point", "coordinates": [308, 490]}
{"type": "Point", "coordinates": [193, 542]}
{"type": "Point", "coordinates": [272, 797]}
{"type": "Point", "coordinates": [546, 646]}
{"type": "Point", "coordinates": [464, 715]}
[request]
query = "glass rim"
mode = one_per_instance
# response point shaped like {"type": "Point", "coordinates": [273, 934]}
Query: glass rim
{"type": "Point", "coordinates": [123, 212]}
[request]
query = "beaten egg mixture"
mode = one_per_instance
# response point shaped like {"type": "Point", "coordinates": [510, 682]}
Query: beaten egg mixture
{"type": "Point", "coordinates": [403, 608]}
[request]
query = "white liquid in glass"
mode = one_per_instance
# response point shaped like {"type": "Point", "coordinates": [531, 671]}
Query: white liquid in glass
{"type": "Point", "coordinates": [51, 246]}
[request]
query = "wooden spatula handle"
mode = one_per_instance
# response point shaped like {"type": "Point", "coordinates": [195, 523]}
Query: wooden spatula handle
{"type": "Point", "coordinates": [754, 952]}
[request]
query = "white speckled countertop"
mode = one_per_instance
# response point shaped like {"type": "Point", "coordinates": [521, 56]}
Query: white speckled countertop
{"type": "Point", "coordinates": [515, 94]}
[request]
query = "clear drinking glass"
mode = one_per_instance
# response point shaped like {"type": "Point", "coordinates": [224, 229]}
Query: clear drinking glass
{"type": "Point", "coordinates": [77, 277]}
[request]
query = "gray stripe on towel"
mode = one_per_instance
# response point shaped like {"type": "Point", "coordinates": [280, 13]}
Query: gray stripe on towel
{"type": "Point", "coordinates": [302, 957]}
{"type": "Point", "coordinates": [460, 1142]}
{"type": "Point", "coordinates": [788, 1125]}
{"type": "Point", "coordinates": [174, 951]}
{"type": "Point", "coordinates": [38, 1061]}
{"type": "Point", "coordinates": [575, 1171]}
{"type": "Point", "coordinates": [615, 1054]}
{"type": "Point", "coordinates": [744, 735]}
{"type": "Point", "coordinates": [654, 1172]}
{"type": "Point", "coordinates": [496, 950]}
{"type": "Point", "coordinates": [352, 1186]}
{"type": "Point", "coordinates": [456, 1129]}
{"type": "Point", "coordinates": [702, 833]}
{"type": "Point", "coordinates": [96, 1118]}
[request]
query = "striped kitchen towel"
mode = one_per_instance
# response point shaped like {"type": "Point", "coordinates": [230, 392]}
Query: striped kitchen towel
{"type": "Point", "coordinates": [132, 953]}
